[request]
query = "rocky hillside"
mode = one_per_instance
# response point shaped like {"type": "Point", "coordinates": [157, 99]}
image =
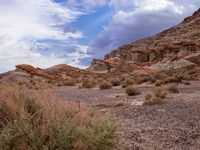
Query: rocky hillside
{"type": "Point", "coordinates": [175, 44]}
{"type": "Point", "coordinates": [176, 50]}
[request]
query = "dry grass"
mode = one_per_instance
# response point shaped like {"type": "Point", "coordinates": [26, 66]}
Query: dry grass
{"type": "Point", "coordinates": [70, 82]}
{"type": "Point", "coordinates": [159, 93]}
{"type": "Point", "coordinates": [139, 79]}
{"type": "Point", "coordinates": [148, 96]}
{"type": "Point", "coordinates": [105, 85]}
{"type": "Point", "coordinates": [88, 84]}
{"type": "Point", "coordinates": [157, 97]}
{"type": "Point", "coordinates": [116, 82]}
{"type": "Point", "coordinates": [42, 122]}
{"type": "Point", "coordinates": [173, 89]}
{"type": "Point", "coordinates": [187, 83]}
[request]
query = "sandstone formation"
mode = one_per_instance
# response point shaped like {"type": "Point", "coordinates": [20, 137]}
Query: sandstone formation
{"type": "Point", "coordinates": [34, 71]}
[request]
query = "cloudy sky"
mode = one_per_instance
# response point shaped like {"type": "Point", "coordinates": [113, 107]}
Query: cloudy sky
{"type": "Point", "coordinates": [48, 32]}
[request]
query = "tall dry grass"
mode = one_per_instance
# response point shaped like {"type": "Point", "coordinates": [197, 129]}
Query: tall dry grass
{"type": "Point", "coordinates": [43, 122]}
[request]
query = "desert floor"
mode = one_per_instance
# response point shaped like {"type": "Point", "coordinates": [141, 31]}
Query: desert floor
{"type": "Point", "coordinates": [174, 125]}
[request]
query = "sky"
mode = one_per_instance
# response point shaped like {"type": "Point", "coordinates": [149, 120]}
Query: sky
{"type": "Point", "coordinates": [44, 33]}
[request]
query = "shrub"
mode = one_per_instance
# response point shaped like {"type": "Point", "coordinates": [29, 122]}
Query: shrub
{"type": "Point", "coordinates": [127, 82]}
{"type": "Point", "coordinates": [173, 89]}
{"type": "Point", "coordinates": [116, 82]}
{"type": "Point", "coordinates": [105, 85]}
{"type": "Point", "coordinates": [156, 98]}
{"type": "Point", "coordinates": [158, 93]}
{"type": "Point", "coordinates": [132, 91]}
{"type": "Point", "coordinates": [154, 101]}
{"type": "Point", "coordinates": [70, 82]}
{"type": "Point", "coordinates": [158, 83]}
{"type": "Point", "coordinates": [88, 84]}
{"type": "Point", "coordinates": [148, 96]}
{"type": "Point", "coordinates": [173, 79]}
{"type": "Point", "coordinates": [187, 83]}
{"type": "Point", "coordinates": [141, 79]}
{"type": "Point", "coordinates": [58, 84]}
{"type": "Point", "coordinates": [41, 122]}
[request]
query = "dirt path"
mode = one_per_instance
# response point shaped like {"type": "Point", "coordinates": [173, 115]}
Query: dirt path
{"type": "Point", "coordinates": [171, 126]}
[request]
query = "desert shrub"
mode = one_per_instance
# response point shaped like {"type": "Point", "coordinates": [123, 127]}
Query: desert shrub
{"type": "Point", "coordinates": [58, 84]}
{"type": "Point", "coordinates": [173, 79]}
{"type": "Point", "coordinates": [105, 85]}
{"type": "Point", "coordinates": [124, 76]}
{"type": "Point", "coordinates": [42, 122]}
{"type": "Point", "coordinates": [158, 83]}
{"type": "Point", "coordinates": [159, 93]}
{"type": "Point", "coordinates": [116, 82]}
{"type": "Point", "coordinates": [141, 79]}
{"type": "Point", "coordinates": [148, 97]}
{"type": "Point", "coordinates": [157, 97]}
{"type": "Point", "coordinates": [187, 83]}
{"type": "Point", "coordinates": [169, 79]}
{"type": "Point", "coordinates": [88, 84]}
{"type": "Point", "coordinates": [70, 82]}
{"type": "Point", "coordinates": [132, 91]}
{"type": "Point", "coordinates": [173, 89]}
{"type": "Point", "coordinates": [127, 82]}
{"type": "Point", "coordinates": [154, 101]}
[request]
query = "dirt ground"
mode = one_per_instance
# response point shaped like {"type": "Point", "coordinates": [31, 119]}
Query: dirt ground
{"type": "Point", "coordinates": [174, 125]}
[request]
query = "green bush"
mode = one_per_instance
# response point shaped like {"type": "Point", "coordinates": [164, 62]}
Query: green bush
{"type": "Point", "coordinates": [45, 123]}
{"type": "Point", "coordinates": [127, 82]}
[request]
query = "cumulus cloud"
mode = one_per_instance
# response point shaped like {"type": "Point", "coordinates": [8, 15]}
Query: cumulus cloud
{"type": "Point", "coordinates": [25, 23]}
{"type": "Point", "coordinates": [136, 19]}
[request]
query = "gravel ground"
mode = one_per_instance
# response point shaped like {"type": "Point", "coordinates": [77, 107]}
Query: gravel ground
{"type": "Point", "coordinates": [174, 125]}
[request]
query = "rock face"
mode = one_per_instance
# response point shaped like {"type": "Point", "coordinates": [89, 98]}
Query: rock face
{"type": "Point", "coordinates": [99, 65]}
{"type": "Point", "coordinates": [34, 71]}
{"type": "Point", "coordinates": [173, 44]}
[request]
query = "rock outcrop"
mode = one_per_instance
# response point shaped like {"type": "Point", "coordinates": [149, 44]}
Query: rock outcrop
{"type": "Point", "coordinates": [34, 71]}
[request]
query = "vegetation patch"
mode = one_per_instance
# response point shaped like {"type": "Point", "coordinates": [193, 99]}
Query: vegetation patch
{"type": "Point", "coordinates": [155, 98]}
{"type": "Point", "coordinates": [105, 85]}
{"type": "Point", "coordinates": [127, 82]}
{"type": "Point", "coordinates": [116, 82]}
{"type": "Point", "coordinates": [42, 122]}
{"type": "Point", "coordinates": [88, 84]}
{"type": "Point", "coordinates": [70, 82]}
{"type": "Point", "coordinates": [132, 91]}
{"type": "Point", "coordinates": [173, 89]}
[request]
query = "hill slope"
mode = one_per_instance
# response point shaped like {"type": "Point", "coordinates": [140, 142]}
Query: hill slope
{"type": "Point", "coordinates": [179, 42]}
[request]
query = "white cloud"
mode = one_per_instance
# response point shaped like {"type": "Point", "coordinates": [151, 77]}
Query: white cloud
{"type": "Point", "coordinates": [136, 19]}
{"type": "Point", "coordinates": [87, 5]}
{"type": "Point", "coordinates": [24, 23]}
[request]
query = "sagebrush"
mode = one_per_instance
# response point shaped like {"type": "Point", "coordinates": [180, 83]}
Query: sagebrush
{"type": "Point", "coordinates": [41, 122]}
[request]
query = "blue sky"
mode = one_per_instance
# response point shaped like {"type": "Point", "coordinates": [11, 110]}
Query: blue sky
{"type": "Point", "coordinates": [44, 33]}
